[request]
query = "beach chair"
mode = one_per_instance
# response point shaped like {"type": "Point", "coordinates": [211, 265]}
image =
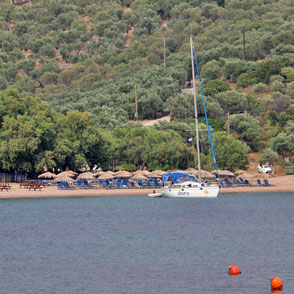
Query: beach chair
{"type": "Point", "coordinates": [246, 182]}
{"type": "Point", "coordinates": [259, 182]}
{"type": "Point", "coordinates": [102, 183]}
{"type": "Point", "coordinates": [140, 183]}
{"type": "Point", "coordinates": [228, 183]}
{"type": "Point", "coordinates": [266, 183]}
{"type": "Point", "coordinates": [125, 183]}
{"type": "Point", "coordinates": [149, 185]}
{"type": "Point", "coordinates": [156, 184]}
{"type": "Point", "coordinates": [82, 185]}
{"type": "Point", "coordinates": [60, 187]}
{"type": "Point", "coordinates": [67, 186]}
{"type": "Point", "coordinates": [236, 181]}
{"type": "Point", "coordinates": [43, 183]}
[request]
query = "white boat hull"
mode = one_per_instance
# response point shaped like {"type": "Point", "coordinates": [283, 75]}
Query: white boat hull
{"type": "Point", "coordinates": [155, 195]}
{"type": "Point", "coordinates": [191, 192]}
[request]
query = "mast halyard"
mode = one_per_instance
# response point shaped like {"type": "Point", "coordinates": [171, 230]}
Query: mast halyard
{"type": "Point", "coordinates": [195, 108]}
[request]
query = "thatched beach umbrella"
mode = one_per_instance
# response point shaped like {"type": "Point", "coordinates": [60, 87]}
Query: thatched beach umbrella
{"type": "Point", "coordinates": [138, 172]}
{"type": "Point", "coordinates": [68, 172]}
{"type": "Point", "coordinates": [240, 171]}
{"type": "Point", "coordinates": [139, 177]}
{"type": "Point", "coordinates": [205, 174]}
{"type": "Point", "coordinates": [159, 172]}
{"type": "Point", "coordinates": [191, 169]}
{"type": "Point", "coordinates": [106, 176]}
{"type": "Point", "coordinates": [246, 176]}
{"type": "Point", "coordinates": [47, 175]}
{"type": "Point", "coordinates": [110, 172]}
{"type": "Point", "coordinates": [98, 173]}
{"type": "Point", "coordinates": [64, 178]}
{"type": "Point", "coordinates": [154, 174]}
{"type": "Point", "coordinates": [123, 174]}
{"type": "Point", "coordinates": [265, 175]}
{"type": "Point", "coordinates": [86, 176]}
{"type": "Point", "coordinates": [146, 173]}
{"type": "Point", "coordinates": [224, 173]}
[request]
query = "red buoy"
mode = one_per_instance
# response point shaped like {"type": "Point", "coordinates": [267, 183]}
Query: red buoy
{"type": "Point", "coordinates": [276, 283]}
{"type": "Point", "coordinates": [234, 270]}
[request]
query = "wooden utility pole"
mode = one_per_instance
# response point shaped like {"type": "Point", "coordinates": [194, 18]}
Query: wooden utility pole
{"type": "Point", "coordinates": [136, 114]}
{"type": "Point", "coordinates": [244, 49]}
{"type": "Point", "coordinates": [164, 55]}
{"type": "Point", "coordinates": [228, 123]}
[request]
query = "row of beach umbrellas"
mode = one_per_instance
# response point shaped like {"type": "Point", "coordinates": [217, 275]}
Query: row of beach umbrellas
{"type": "Point", "coordinates": [137, 175]}
{"type": "Point", "coordinates": [69, 175]}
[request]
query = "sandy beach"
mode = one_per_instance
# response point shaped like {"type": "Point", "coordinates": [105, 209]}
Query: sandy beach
{"type": "Point", "coordinates": [281, 184]}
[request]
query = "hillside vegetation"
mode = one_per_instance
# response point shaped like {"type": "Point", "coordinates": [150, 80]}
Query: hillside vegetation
{"type": "Point", "coordinates": [88, 56]}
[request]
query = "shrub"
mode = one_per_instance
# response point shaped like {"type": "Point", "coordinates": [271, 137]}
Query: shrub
{"type": "Point", "coordinates": [277, 86]}
{"type": "Point", "coordinates": [269, 156]}
{"type": "Point", "coordinates": [244, 80]}
{"type": "Point", "coordinates": [259, 88]}
{"type": "Point", "coordinates": [288, 72]}
{"type": "Point", "coordinates": [276, 78]}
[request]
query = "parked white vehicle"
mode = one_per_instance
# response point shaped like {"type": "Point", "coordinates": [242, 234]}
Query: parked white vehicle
{"type": "Point", "coordinates": [265, 168]}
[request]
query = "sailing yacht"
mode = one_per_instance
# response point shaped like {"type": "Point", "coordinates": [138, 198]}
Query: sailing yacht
{"type": "Point", "coordinates": [180, 184]}
{"type": "Point", "coordinates": [183, 185]}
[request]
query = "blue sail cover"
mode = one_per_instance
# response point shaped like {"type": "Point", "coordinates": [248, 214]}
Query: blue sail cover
{"type": "Point", "coordinates": [177, 178]}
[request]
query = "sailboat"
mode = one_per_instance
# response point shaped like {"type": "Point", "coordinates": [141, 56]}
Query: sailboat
{"type": "Point", "coordinates": [181, 184]}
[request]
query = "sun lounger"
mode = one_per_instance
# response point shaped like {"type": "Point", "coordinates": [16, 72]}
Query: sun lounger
{"type": "Point", "coordinates": [259, 182]}
{"type": "Point", "coordinates": [66, 185]}
{"type": "Point", "coordinates": [266, 183]}
{"type": "Point", "coordinates": [60, 187]}
{"type": "Point", "coordinates": [229, 183]}
{"type": "Point", "coordinates": [224, 184]}
{"type": "Point", "coordinates": [149, 185]}
{"type": "Point", "coordinates": [237, 182]}
{"type": "Point", "coordinates": [246, 182]}
{"type": "Point", "coordinates": [156, 184]}
{"type": "Point", "coordinates": [42, 183]}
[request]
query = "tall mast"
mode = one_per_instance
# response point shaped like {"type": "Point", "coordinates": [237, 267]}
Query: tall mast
{"type": "Point", "coordinates": [195, 108]}
{"type": "Point", "coordinates": [204, 107]}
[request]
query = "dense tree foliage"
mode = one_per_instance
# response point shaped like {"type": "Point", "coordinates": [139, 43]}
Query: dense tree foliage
{"type": "Point", "coordinates": [283, 143]}
{"type": "Point", "coordinates": [231, 154]}
{"type": "Point", "coordinates": [84, 56]}
{"type": "Point", "coordinates": [33, 137]}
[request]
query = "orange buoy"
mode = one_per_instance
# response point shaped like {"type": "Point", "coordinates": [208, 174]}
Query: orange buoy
{"type": "Point", "coordinates": [234, 270]}
{"type": "Point", "coordinates": [276, 283]}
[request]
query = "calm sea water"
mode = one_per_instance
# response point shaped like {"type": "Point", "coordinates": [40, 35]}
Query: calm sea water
{"type": "Point", "coordinates": [136, 244]}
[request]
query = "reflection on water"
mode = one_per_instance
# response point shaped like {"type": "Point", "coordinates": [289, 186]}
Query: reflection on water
{"type": "Point", "coordinates": [137, 244]}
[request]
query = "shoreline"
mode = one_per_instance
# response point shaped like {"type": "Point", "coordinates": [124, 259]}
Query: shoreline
{"type": "Point", "coordinates": [281, 184]}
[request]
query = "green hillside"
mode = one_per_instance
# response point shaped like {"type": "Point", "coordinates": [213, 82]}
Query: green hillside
{"type": "Point", "coordinates": [88, 56]}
